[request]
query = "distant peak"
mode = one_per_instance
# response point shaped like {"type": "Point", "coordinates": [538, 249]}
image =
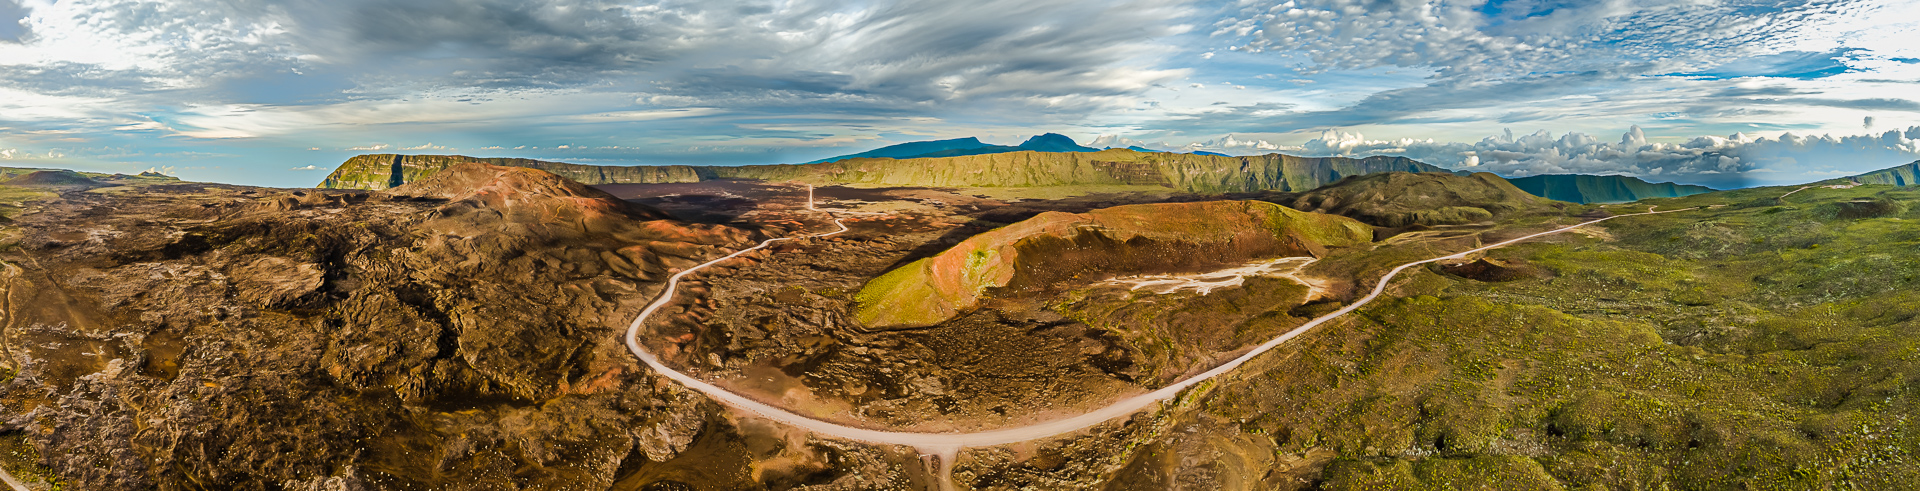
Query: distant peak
{"type": "Point", "coordinates": [1054, 142]}
{"type": "Point", "coordinates": [1050, 139]}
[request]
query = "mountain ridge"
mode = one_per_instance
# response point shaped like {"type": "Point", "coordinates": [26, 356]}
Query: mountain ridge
{"type": "Point", "coordinates": [1583, 189]}
{"type": "Point", "coordinates": [1900, 175]}
{"type": "Point", "coordinates": [1181, 172]}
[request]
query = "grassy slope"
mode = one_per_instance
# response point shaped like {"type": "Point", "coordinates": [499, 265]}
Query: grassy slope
{"type": "Point", "coordinates": [1904, 175]}
{"type": "Point", "coordinates": [1602, 189]}
{"type": "Point", "coordinates": [1752, 346]}
{"type": "Point", "coordinates": [1402, 198]}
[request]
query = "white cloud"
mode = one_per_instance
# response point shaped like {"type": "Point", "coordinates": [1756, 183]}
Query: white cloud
{"type": "Point", "coordinates": [425, 146]}
{"type": "Point", "coordinates": [1537, 37]}
{"type": "Point", "coordinates": [1634, 154]}
{"type": "Point", "coordinates": [308, 167]}
{"type": "Point", "coordinates": [369, 148]}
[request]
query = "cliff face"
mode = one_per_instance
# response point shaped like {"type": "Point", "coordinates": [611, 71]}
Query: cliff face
{"type": "Point", "coordinates": [383, 171]}
{"type": "Point", "coordinates": [1602, 189]}
{"type": "Point", "coordinates": [1904, 175]}
{"type": "Point", "coordinates": [1034, 254]}
{"type": "Point", "coordinates": [1184, 172]}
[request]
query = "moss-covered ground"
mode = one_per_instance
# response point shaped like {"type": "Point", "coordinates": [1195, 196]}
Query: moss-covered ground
{"type": "Point", "coordinates": [1757, 343]}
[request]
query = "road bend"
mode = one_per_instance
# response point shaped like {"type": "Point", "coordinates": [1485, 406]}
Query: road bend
{"type": "Point", "coordinates": [940, 450]}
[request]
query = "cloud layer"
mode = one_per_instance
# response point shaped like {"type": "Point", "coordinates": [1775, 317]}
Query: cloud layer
{"type": "Point", "coordinates": [1725, 161]}
{"type": "Point", "coordinates": [251, 89]}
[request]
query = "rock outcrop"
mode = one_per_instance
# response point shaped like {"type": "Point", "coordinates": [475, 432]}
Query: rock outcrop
{"type": "Point", "coordinates": [1182, 172]}
{"type": "Point", "coordinates": [1034, 254]}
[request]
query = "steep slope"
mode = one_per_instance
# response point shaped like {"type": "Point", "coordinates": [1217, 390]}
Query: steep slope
{"type": "Point", "coordinates": [382, 171]}
{"type": "Point", "coordinates": [1183, 172]}
{"type": "Point", "coordinates": [1579, 188]}
{"type": "Point", "coordinates": [912, 149]}
{"type": "Point", "coordinates": [1903, 175]}
{"type": "Point", "coordinates": [1398, 199]}
{"type": "Point", "coordinates": [1034, 254]}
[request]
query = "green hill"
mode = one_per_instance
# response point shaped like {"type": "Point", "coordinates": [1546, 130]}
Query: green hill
{"type": "Point", "coordinates": [1055, 246]}
{"type": "Point", "coordinates": [1903, 175]}
{"type": "Point", "coordinates": [1602, 189]}
{"type": "Point", "coordinates": [1182, 172]}
{"type": "Point", "coordinates": [52, 178]}
{"type": "Point", "coordinates": [1398, 199]}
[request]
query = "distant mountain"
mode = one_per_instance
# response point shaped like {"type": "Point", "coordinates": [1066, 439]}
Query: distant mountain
{"type": "Point", "coordinates": [1054, 142]}
{"type": "Point", "coordinates": [912, 149]}
{"type": "Point", "coordinates": [1050, 142]}
{"type": "Point", "coordinates": [1602, 189]}
{"type": "Point", "coordinates": [1138, 148]}
{"type": "Point", "coordinates": [1903, 175]}
{"type": "Point", "coordinates": [1176, 171]}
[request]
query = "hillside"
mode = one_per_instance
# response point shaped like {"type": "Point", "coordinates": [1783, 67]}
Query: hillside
{"type": "Point", "coordinates": [51, 178]}
{"type": "Point", "coordinates": [1034, 254]}
{"type": "Point", "coordinates": [382, 171]}
{"type": "Point", "coordinates": [1903, 175]}
{"type": "Point", "coordinates": [1400, 199]}
{"type": "Point", "coordinates": [1602, 189]}
{"type": "Point", "coordinates": [1182, 172]}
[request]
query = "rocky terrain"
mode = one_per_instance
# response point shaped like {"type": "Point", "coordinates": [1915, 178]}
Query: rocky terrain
{"type": "Point", "coordinates": [462, 331]}
{"type": "Point", "coordinates": [458, 332]}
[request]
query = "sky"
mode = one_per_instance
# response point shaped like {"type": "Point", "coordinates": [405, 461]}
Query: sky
{"type": "Point", "coordinates": [1726, 93]}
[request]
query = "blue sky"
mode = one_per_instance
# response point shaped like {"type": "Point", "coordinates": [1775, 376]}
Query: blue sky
{"type": "Point", "coordinates": [1719, 92]}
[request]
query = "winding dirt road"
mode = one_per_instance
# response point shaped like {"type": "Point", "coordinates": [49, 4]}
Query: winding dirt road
{"type": "Point", "coordinates": [944, 448]}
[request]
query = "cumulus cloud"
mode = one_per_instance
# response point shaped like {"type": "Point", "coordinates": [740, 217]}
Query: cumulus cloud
{"type": "Point", "coordinates": [1515, 38]}
{"type": "Point", "coordinates": [308, 167]}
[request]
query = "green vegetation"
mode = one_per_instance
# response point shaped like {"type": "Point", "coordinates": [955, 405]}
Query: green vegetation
{"type": "Point", "coordinates": [1733, 347]}
{"type": "Point", "coordinates": [1399, 199]}
{"type": "Point", "coordinates": [1602, 189]}
{"type": "Point", "coordinates": [19, 458]}
{"type": "Point", "coordinates": [1903, 175]}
